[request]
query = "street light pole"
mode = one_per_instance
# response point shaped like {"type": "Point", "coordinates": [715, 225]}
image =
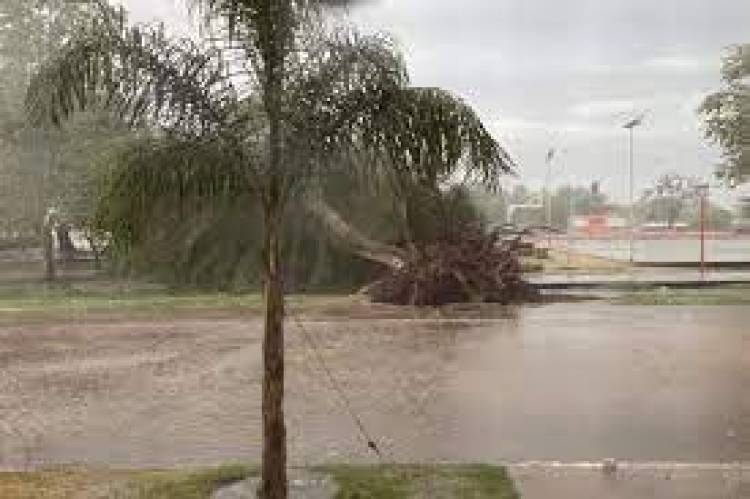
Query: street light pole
{"type": "Point", "coordinates": [630, 126]}
{"type": "Point", "coordinates": [703, 235]}
{"type": "Point", "coordinates": [548, 195]}
{"type": "Point", "coordinates": [702, 194]}
{"type": "Point", "coordinates": [632, 203]}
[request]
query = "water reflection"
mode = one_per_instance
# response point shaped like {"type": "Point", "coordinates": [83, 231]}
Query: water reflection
{"type": "Point", "coordinates": [566, 382]}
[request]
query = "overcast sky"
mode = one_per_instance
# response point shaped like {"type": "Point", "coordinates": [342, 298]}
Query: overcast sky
{"type": "Point", "coordinates": [565, 73]}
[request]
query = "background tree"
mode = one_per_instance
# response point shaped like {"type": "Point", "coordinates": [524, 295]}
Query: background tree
{"type": "Point", "coordinates": [493, 206]}
{"type": "Point", "coordinates": [668, 200]}
{"type": "Point", "coordinates": [193, 240]}
{"type": "Point", "coordinates": [83, 153]}
{"type": "Point", "coordinates": [43, 169]}
{"type": "Point", "coordinates": [568, 201]}
{"type": "Point", "coordinates": [674, 199]}
{"type": "Point", "coordinates": [727, 114]}
{"type": "Point", "coordinates": [273, 104]}
{"type": "Point", "coordinates": [519, 194]}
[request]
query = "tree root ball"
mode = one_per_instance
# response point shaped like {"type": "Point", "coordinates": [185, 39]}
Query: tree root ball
{"type": "Point", "coordinates": [471, 266]}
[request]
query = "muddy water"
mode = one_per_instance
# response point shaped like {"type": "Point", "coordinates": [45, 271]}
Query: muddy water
{"type": "Point", "coordinates": [566, 382]}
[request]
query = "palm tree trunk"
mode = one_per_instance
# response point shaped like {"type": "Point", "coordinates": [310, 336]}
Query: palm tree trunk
{"type": "Point", "coordinates": [274, 481]}
{"type": "Point", "coordinates": [48, 248]}
{"type": "Point", "coordinates": [375, 251]}
{"type": "Point", "coordinates": [273, 472]}
{"type": "Point", "coordinates": [50, 271]}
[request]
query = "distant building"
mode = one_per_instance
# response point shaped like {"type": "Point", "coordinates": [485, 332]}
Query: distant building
{"type": "Point", "coordinates": [598, 225]}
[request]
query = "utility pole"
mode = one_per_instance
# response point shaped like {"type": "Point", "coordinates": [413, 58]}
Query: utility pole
{"type": "Point", "coordinates": [569, 224]}
{"type": "Point", "coordinates": [630, 126]}
{"type": "Point", "coordinates": [547, 187]}
{"type": "Point", "coordinates": [48, 245]}
{"type": "Point", "coordinates": [702, 194]}
{"type": "Point", "coordinates": [703, 235]}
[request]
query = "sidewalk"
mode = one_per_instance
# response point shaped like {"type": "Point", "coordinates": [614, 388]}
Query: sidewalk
{"type": "Point", "coordinates": [633, 481]}
{"type": "Point", "coordinates": [641, 277]}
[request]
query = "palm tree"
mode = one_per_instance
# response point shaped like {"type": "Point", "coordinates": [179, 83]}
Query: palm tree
{"type": "Point", "coordinates": [276, 96]}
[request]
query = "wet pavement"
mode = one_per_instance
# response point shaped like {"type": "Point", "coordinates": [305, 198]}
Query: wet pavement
{"type": "Point", "coordinates": [641, 277]}
{"type": "Point", "coordinates": [568, 382]}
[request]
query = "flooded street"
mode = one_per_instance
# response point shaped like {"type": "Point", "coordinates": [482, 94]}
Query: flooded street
{"type": "Point", "coordinates": [568, 382]}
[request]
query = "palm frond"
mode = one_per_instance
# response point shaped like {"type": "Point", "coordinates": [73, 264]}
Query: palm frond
{"type": "Point", "coordinates": [339, 84]}
{"type": "Point", "coordinates": [268, 32]}
{"type": "Point", "coordinates": [264, 28]}
{"type": "Point", "coordinates": [187, 173]}
{"type": "Point", "coordinates": [172, 165]}
{"type": "Point", "coordinates": [429, 135]}
{"type": "Point", "coordinates": [353, 94]}
{"type": "Point", "coordinates": [266, 19]}
{"type": "Point", "coordinates": [137, 72]}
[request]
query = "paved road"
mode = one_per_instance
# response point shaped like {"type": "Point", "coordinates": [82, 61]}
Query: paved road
{"type": "Point", "coordinates": [642, 276]}
{"type": "Point", "coordinates": [567, 382]}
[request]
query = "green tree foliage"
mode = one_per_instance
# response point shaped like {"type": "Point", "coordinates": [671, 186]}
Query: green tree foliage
{"type": "Point", "coordinates": [29, 31]}
{"type": "Point", "coordinates": [567, 201]}
{"type": "Point", "coordinates": [492, 206]}
{"type": "Point", "coordinates": [44, 168]}
{"type": "Point", "coordinates": [665, 202]}
{"type": "Point", "coordinates": [186, 235]}
{"type": "Point", "coordinates": [190, 233]}
{"type": "Point", "coordinates": [570, 201]}
{"type": "Point", "coordinates": [674, 199]}
{"type": "Point", "coordinates": [727, 114]}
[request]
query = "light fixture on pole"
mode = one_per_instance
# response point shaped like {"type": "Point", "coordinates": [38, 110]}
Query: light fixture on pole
{"type": "Point", "coordinates": [630, 126]}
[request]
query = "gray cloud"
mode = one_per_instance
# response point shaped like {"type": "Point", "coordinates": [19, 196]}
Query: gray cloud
{"type": "Point", "coordinates": [566, 72]}
{"type": "Point", "coordinates": [569, 73]}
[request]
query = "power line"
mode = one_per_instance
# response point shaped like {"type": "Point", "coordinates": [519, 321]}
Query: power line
{"type": "Point", "coordinates": [371, 444]}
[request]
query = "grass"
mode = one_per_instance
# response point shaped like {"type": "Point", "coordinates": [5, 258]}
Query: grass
{"type": "Point", "coordinates": [353, 482]}
{"type": "Point", "coordinates": [71, 301]}
{"type": "Point", "coordinates": [41, 302]}
{"type": "Point", "coordinates": [79, 301]}
{"type": "Point", "coordinates": [181, 484]}
{"type": "Point", "coordinates": [175, 484]}
{"type": "Point", "coordinates": [42, 485]}
{"type": "Point", "coordinates": [397, 482]}
{"type": "Point", "coordinates": [73, 304]}
{"type": "Point", "coordinates": [722, 295]}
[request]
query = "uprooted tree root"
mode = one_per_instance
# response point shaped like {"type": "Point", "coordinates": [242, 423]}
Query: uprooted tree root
{"type": "Point", "coordinates": [473, 266]}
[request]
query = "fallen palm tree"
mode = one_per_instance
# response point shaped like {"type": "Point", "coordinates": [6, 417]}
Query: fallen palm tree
{"type": "Point", "coordinates": [472, 266]}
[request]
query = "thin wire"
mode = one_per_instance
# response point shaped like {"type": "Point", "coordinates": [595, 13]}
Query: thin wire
{"type": "Point", "coordinates": [371, 444]}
